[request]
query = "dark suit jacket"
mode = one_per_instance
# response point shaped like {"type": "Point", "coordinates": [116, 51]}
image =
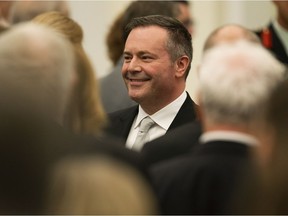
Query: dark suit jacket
{"type": "Point", "coordinates": [201, 182]}
{"type": "Point", "coordinates": [178, 141]}
{"type": "Point", "coordinates": [277, 46]}
{"type": "Point", "coordinates": [122, 120]}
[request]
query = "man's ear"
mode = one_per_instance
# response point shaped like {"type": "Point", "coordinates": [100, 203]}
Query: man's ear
{"type": "Point", "coordinates": [181, 66]}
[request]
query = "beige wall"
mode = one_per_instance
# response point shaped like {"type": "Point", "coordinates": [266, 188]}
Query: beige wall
{"type": "Point", "coordinates": [96, 17]}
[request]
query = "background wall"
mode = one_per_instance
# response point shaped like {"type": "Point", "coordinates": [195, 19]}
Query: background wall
{"type": "Point", "coordinates": [97, 16]}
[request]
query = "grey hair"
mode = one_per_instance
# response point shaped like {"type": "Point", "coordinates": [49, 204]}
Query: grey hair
{"type": "Point", "coordinates": [36, 63]}
{"type": "Point", "coordinates": [236, 80]}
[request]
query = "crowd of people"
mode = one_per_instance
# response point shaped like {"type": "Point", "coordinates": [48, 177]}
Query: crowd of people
{"type": "Point", "coordinates": [69, 144]}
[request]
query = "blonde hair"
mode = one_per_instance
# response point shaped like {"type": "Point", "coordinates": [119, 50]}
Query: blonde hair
{"type": "Point", "coordinates": [85, 113]}
{"type": "Point", "coordinates": [99, 185]}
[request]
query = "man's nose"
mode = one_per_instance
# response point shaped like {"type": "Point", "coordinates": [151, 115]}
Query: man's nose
{"type": "Point", "coordinates": [134, 65]}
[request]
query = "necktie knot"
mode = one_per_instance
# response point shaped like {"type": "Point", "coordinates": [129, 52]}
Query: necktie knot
{"type": "Point", "coordinates": [141, 138]}
{"type": "Point", "coordinates": [146, 124]}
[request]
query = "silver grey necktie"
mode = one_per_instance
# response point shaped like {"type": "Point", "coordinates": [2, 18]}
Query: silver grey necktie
{"type": "Point", "coordinates": [141, 138]}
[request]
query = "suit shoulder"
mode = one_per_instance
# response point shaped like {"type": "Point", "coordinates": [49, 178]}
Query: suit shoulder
{"type": "Point", "coordinates": [177, 164]}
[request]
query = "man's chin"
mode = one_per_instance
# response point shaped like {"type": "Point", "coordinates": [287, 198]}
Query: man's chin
{"type": "Point", "coordinates": [135, 97]}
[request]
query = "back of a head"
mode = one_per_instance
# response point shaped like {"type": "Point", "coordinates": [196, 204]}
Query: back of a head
{"type": "Point", "coordinates": [230, 33]}
{"type": "Point", "coordinates": [236, 80]}
{"type": "Point", "coordinates": [26, 10]}
{"type": "Point", "coordinates": [99, 186]}
{"type": "Point", "coordinates": [62, 24]}
{"type": "Point", "coordinates": [85, 113]}
{"type": "Point", "coordinates": [36, 69]}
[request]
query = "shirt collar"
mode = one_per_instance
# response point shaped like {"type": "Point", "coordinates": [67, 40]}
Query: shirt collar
{"type": "Point", "coordinates": [229, 136]}
{"type": "Point", "coordinates": [166, 115]}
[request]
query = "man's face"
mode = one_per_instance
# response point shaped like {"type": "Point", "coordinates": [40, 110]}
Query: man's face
{"type": "Point", "coordinates": [148, 71]}
{"type": "Point", "coordinates": [185, 17]}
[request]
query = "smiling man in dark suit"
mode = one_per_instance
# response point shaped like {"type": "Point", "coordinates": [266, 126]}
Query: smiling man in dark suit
{"type": "Point", "coordinates": [157, 60]}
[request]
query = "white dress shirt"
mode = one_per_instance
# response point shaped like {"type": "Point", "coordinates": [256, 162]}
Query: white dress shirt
{"type": "Point", "coordinates": [163, 119]}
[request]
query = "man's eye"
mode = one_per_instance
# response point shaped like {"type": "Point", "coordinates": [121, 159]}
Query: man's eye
{"type": "Point", "coordinates": [127, 58]}
{"type": "Point", "coordinates": [146, 57]}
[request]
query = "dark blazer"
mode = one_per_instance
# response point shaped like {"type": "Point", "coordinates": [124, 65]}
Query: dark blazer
{"type": "Point", "coordinates": [277, 46]}
{"type": "Point", "coordinates": [201, 182]}
{"type": "Point", "coordinates": [178, 141]}
{"type": "Point", "coordinates": [122, 120]}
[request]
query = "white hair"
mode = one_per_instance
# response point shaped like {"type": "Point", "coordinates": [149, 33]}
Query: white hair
{"type": "Point", "coordinates": [236, 80]}
{"type": "Point", "coordinates": [37, 63]}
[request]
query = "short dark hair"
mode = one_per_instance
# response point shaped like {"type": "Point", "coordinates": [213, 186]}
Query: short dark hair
{"type": "Point", "coordinates": [179, 42]}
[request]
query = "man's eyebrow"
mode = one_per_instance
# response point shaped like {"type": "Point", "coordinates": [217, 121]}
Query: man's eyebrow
{"type": "Point", "coordinates": [144, 52]}
{"type": "Point", "coordinates": [126, 53]}
{"type": "Point", "coordinates": [138, 53]}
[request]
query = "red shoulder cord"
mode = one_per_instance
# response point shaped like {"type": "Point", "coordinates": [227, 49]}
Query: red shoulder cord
{"type": "Point", "coordinates": [266, 38]}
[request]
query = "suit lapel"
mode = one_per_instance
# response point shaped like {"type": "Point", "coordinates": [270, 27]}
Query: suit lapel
{"type": "Point", "coordinates": [121, 121]}
{"type": "Point", "coordinates": [126, 121]}
{"type": "Point", "coordinates": [185, 115]}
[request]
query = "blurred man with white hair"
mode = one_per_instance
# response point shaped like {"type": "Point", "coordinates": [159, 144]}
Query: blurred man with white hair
{"type": "Point", "coordinates": [236, 80]}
